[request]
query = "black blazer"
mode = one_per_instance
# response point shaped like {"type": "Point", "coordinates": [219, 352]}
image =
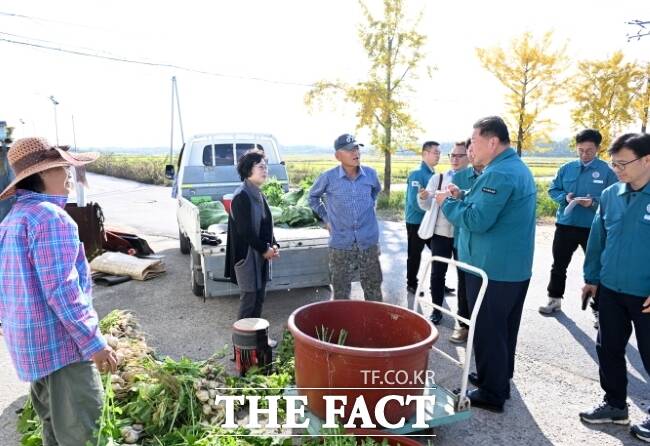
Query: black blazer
{"type": "Point", "coordinates": [241, 234]}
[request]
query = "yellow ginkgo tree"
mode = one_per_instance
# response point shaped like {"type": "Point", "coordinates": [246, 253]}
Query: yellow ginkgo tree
{"type": "Point", "coordinates": [604, 94]}
{"type": "Point", "coordinates": [395, 52]}
{"type": "Point", "coordinates": [642, 101]}
{"type": "Point", "coordinates": [532, 72]}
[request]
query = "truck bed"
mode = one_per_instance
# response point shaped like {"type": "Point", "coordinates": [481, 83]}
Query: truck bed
{"type": "Point", "coordinates": [303, 261]}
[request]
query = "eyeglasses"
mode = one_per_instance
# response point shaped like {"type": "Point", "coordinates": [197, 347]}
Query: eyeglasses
{"type": "Point", "coordinates": [621, 164]}
{"type": "Point", "coordinates": [457, 155]}
{"type": "Point", "coordinates": [262, 166]}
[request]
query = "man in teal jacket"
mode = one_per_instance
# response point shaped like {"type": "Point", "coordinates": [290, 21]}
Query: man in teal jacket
{"type": "Point", "coordinates": [413, 214]}
{"type": "Point", "coordinates": [465, 180]}
{"type": "Point", "coordinates": [618, 264]}
{"type": "Point", "coordinates": [497, 234]}
{"type": "Point", "coordinates": [586, 178]}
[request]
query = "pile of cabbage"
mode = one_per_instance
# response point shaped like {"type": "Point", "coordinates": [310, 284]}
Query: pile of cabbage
{"type": "Point", "coordinates": [289, 209]}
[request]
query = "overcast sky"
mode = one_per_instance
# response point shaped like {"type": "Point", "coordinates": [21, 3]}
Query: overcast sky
{"type": "Point", "coordinates": [290, 41]}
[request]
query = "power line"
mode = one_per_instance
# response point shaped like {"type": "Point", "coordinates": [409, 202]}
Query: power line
{"type": "Point", "coordinates": [41, 19]}
{"type": "Point", "coordinates": [56, 43]}
{"type": "Point", "coordinates": [115, 58]}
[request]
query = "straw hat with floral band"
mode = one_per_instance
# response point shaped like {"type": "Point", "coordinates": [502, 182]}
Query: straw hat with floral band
{"type": "Point", "coordinates": [28, 156]}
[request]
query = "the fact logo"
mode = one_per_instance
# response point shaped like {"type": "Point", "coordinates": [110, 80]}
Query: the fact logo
{"type": "Point", "coordinates": [595, 174]}
{"type": "Point", "coordinates": [349, 138]}
{"type": "Point", "coordinates": [648, 208]}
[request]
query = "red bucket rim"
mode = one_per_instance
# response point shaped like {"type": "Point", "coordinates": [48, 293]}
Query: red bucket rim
{"type": "Point", "coordinates": [426, 343]}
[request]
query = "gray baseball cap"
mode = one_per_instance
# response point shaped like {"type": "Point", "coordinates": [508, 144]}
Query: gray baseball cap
{"type": "Point", "coordinates": [346, 142]}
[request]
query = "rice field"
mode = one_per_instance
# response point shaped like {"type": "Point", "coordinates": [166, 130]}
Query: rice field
{"type": "Point", "coordinates": [150, 169]}
{"type": "Point", "coordinates": [301, 167]}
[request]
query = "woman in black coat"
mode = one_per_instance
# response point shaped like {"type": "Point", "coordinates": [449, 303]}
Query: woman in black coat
{"type": "Point", "coordinates": [251, 245]}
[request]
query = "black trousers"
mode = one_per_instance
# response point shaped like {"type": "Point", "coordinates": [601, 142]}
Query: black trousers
{"type": "Point", "coordinates": [415, 245]}
{"type": "Point", "coordinates": [250, 304]}
{"type": "Point", "coordinates": [443, 247]}
{"type": "Point", "coordinates": [565, 241]}
{"type": "Point", "coordinates": [463, 306]}
{"type": "Point", "coordinates": [618, 313]}
{"type": "Point", "coordinates": [495, 335]}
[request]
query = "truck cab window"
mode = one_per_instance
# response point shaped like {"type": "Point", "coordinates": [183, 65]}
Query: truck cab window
{"type": "Point", "coordinates": [242, 148]}
{"type": "Point", "coordinates": [223, 155]}
{"type": "Point", "coordinates": [269, 152]}
{"type": "Point", "coordinates": [207, 156]}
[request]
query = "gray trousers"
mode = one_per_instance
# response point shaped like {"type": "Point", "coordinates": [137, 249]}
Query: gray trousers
{"type": "Point", "coordinates": [251, 302]}
{"type": "Point", "coordinates": [343, 264]}
{"type": "Point", "coordinates": [69, 403]}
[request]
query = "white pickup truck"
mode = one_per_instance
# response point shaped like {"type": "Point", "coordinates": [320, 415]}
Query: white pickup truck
{"type": "Point", "coordinates": [207, 167]}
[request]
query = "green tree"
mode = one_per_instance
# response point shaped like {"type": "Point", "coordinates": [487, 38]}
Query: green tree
{"type": "Point", "coordinates": [531, 71]}
{"type": "Point", "coordinates": [395, 52]}
{"type": "Point", "coordinates": [604, 93]}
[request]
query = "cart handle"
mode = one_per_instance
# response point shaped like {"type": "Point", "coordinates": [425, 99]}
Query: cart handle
{"type": "Point", "coordinates": [463, 401]}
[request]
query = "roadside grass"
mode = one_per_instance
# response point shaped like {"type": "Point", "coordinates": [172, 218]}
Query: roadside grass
{"type": "Point", "coordinates": [546, 207]}
{"type": "Point", "coordinates": [151, 170]}
{"type": "Point", "coordinates": [145, 169]}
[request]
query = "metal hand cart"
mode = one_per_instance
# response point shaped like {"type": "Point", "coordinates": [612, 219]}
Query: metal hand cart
{"type": "Point", "coordinates": [458, 404]}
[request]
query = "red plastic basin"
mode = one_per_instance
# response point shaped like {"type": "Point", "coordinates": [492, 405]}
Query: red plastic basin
{"type": "Point", "coordinates": [227, 200]}
{"type": "Point", "coordinates": [391, 342]}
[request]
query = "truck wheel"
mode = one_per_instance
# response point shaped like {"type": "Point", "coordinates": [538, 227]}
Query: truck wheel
{"type": "Point", "coordinates": [184, 243]}
{"type": "Point", "coordinates": [198, 288]}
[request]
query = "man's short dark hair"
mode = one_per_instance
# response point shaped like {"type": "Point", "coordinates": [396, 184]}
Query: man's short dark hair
{"type": "Point", "coordinates": [33, 183]}
{"type": "Point", "coordinates": [468, 142]}
{"type": "Point", "coordinates": [430, 144]}
{"type": "Point", "coordinates": [248, 161]}
{"type": "Point", "coordinates": [589, 135]}
{"type": "Point", "coordinates": [493, 126]}
{"type": "Point", "coordinates": [639, 143]}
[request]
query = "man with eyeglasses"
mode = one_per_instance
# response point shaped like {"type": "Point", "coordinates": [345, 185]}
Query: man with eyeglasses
{"type": "Point", "coordinates": [581, 181]}
{"type": "Point", "coordinates": [442, 238]}
{"type": "Point", "coordinates": [617, 263]}
{"type": "Point", "coordinates": [464, 179]}
{"type": "Point", "coordinates": [413, 214]}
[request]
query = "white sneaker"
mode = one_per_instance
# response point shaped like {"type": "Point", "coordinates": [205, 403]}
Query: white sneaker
{"type": "Point", "coordinates": [459, 335]}
{"type": "Point", "coordinates": [554, 304]}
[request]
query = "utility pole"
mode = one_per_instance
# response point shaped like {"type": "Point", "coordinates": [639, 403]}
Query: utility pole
{"type": "Point", "coordinates": [56, 124]}
{"type": "Point", "coordinates": [74, 135]}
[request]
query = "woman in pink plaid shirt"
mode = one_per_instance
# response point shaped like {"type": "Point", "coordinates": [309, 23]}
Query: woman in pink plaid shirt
{"type": "Point", "coordinates": [50, 327]}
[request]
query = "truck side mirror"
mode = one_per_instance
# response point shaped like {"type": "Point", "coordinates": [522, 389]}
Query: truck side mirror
{"type": "Point", "coordinates": [169, 172]}
{"type": "Point", "coordinates": [282, 162]}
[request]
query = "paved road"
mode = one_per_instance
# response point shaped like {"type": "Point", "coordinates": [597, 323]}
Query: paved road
{"type": "Point", "coordinates": [556, 374]}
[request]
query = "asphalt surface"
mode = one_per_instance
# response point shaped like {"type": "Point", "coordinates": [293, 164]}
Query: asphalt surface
{"type": "Point", "coordinates": [556, 374]}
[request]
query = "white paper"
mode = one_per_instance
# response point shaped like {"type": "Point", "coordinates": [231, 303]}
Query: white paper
{"type": "Point", "coordinates": [574, 203]}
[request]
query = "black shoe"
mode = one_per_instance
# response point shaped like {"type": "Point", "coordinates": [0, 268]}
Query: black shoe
{"type": "Point", "coordinates": [411, 289]}
{"type": "Point", "coordinates": [473, 380]}
{"type": "Point", "coordinates": [449, 290]}
{"type": "Point", "coordinates": [436, 317]}
{"type": "Point", "coordinates": [478, 400]}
